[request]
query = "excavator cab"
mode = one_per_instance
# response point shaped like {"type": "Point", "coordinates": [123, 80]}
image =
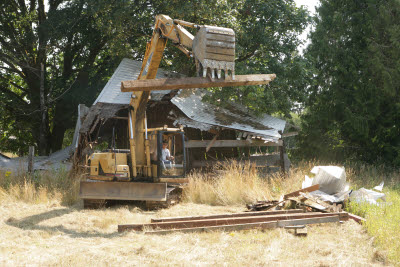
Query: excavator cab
{"type": "Point", "coordinates": [171, 155]}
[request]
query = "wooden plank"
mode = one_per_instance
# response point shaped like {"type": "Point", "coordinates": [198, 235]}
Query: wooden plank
{"type": "Point", "coordinates": [289, 134]}
{"type": "Point", "coordinates": [225, 221]}
{"type": "Point", "coordinates": [212, 142]}
{"type": "Point", "coordinates": [249, 226]}
{"type": "Point", "coordinates": [229, 215]}
{"type": "Point", "coordinates": [300, 232]}
{"type": "Point", "coordinates": [356, 218]}
{"type": "Point", "coordinates": [194, 82]}
{"type": "Point", "coordinates": [297, 193]}
{"type": "Point", "coordinates": [228, 143]}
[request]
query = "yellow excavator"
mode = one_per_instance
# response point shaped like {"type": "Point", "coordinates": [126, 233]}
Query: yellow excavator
{"type": "Point", "coordinates": [146, 172]}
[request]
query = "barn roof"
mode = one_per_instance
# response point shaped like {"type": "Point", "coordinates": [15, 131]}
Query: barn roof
{"type": "Point", "coordinates": [199, 114]}
{"type": "Point", "coordinates": [128, 69]}
{"type": "Point", "coordinates": [231, 116]}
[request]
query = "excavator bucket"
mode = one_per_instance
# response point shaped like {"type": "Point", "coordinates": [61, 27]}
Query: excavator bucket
{"type": "Point", "coordinates": [214, 49]}
{"type": "Point", "coordinates": [123, 191]}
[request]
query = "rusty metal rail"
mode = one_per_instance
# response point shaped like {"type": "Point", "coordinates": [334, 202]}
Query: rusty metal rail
{"type": "Point", "coordinates": [253, 220]}
{"type": "Point", "coordinates": [230, 215]}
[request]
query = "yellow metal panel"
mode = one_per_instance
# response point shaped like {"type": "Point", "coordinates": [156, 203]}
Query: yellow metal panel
{"type": "Point", "coordinates": [123, 191]}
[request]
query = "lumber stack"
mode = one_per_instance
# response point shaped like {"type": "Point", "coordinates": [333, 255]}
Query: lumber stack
{"type": "Point", "coordinates": [235, 221]}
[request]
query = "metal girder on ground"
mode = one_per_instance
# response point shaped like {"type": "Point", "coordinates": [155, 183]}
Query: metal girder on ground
{"type": "Point", "coordinates": [194, 82]}
{"type": "Point", "coordinates": [248, 226]}
{"type": "Point", "coordinates": [226, 221]}
{"type": "Point", "coordinates": [230, 215]}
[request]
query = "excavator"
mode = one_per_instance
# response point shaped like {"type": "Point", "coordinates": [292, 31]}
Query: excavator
{"type": "Point", "coordinates": [143, 173]}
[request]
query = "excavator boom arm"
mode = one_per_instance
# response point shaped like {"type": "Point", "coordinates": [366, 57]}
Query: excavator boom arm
{"type": "Point", "coordinates": [213, 49]}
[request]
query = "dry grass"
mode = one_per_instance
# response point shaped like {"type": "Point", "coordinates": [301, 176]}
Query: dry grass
{"type": "Point", "coordinates": [50, 234]}
{"type": "Point", "coordinates": [43, 223]}
{"type": "Point", "coordinates": [42, 187]}
{"type": "Point", "coordinates": [237, 183]}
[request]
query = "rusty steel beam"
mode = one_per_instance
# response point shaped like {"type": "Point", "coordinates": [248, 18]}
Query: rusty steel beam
{"type": "Point", "coordinates": [194, 82]}
{"type": "Point", "coordinates": [248, 226]}
{"type": "Point", "coordinates": [230, 215]}
{"type": "Point", "coordinates": [226, 221]}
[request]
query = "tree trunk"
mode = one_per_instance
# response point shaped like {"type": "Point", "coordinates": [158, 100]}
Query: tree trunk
{"type": "Point", "coordinates": [43, 134]}
{"type": "Point", "coordinates": [57, 136]}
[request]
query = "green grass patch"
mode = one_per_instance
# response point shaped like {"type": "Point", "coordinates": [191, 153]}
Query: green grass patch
{"type": "Point", "coordinates": [383, 220]}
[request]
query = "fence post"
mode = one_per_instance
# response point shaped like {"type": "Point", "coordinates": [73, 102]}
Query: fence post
{"type": "Point", "coordinates": [30, 159]}
{"type": "Point", "coordinates": [282, 155]}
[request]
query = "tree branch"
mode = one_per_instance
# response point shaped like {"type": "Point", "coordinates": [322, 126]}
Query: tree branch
{"type": "Point", "coordinates": [249, 54]}
{"type": "Point", "coordinates": [13, 95]}
{"type": "Point", "coordinates": [22, 6]}
{"type": "Point", "coordinates": [14, 84]}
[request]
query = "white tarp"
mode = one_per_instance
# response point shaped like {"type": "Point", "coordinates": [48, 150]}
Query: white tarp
{"type": "Point", "coordinates": [333, 187]}
{"type": "Point", "coordinates": [368, 195]}
{"type": "Point", "coordinates": [331, 179]}
{"type": "Point", "coordinates": [332, 183]}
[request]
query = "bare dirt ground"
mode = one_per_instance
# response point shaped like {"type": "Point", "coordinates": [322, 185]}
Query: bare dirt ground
{"type": "Point", "coordinates": [50, 234]}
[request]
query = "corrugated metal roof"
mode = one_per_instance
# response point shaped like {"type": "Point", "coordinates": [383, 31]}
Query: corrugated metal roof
{"type": "Point", "coordinates": [128, 69]}
{"type": "Point", "coordinates": [233, 117]}
{"type": "Point", "coordinates": [191, 104]}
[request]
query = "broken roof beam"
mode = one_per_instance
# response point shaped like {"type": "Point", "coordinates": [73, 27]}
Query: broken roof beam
{"type": "Point", "coordinates": [194, 82]}
{"type": "Point", "coordinates": [229, 143]}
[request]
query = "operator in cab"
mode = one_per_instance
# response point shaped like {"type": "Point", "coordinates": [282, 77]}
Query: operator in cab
{"type": "Point", "coordinates": [166, 157]}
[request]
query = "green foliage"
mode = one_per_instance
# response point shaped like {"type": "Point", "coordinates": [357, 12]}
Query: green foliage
{"type": "Point", "coordinates": [266, 42]}
{"type": "Point", "coordinates": [353, 105]}
{"type": "Point", "coordinates": [80, 43]}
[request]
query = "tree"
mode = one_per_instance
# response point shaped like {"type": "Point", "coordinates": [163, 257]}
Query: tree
{"type": "Point", "coordinates": [353, 107]}
{"type": "Point", "coordinates": [54, 57]}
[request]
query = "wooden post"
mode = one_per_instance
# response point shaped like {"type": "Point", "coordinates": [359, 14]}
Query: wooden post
{"type": "Point", "coordinates": [282, 155]}
{"type": "Point", "coordinates": [30, 158]}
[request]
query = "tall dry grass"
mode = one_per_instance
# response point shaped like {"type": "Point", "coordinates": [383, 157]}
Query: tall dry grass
{"type": "Point", "coordinates": [236, 183]}
{"type": "Point", "coordinates": [43, 186]}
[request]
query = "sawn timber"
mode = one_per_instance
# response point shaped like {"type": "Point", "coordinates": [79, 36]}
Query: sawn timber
{"type": "Point", "coordinates": [194, 82]}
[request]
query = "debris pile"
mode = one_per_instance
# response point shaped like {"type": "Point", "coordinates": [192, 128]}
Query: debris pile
{"type": "Point", "coordinates": [327, 191]}
{"type": "Point", "coordinates": [320, 200]}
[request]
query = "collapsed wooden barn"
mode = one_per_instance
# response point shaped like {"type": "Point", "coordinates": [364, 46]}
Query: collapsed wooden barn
{"type": "Point", "coordinates": [212, 133]}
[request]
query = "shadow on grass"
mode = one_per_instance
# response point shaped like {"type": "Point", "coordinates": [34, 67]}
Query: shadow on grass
{"type": "Point", "coordinates": [32, 223]}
